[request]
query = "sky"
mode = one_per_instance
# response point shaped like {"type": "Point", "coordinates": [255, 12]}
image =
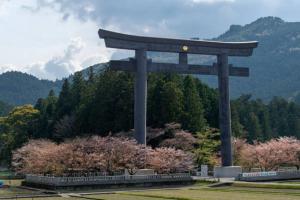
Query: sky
{"type": "Point", "coordinates": [52, 39]}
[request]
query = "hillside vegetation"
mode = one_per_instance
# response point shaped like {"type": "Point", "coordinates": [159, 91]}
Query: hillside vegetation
{"type": "Point", "coordinates": [274, 65]}
{"type": "Point", "coordinates": [17, 88]}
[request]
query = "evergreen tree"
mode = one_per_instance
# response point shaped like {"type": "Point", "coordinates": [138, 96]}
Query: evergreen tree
{"type": "Point", "coordinates": [278, 114]}
{"type": "Point", "coordinates": [39, 104]}
{"type": "Point", "coordinates": [193, 114]}
{"type": "Point", "coordinates": [265, 124]}
{"type": "Point", "coordinates": [237, 128]}
{"type": "Point", "coordinates": [91, 78]}
{"type": "Point", "coordinates": [111, 108]}
{"type": "Point", "coordinates": [77, 89]}
{"type": "Point", "coordinates": [5, 108]}
{"type": "Point", "coordinates": [293, 119]}
{"type": "Point", "coordinates": [51, 105]}
{"type": "Point", "coordinates": [155, 102]}
{"type": "Point", "coordinates": [209, 99]}
{"type": "Point", "coordinates": [172, 103]}
{"type": "Point", "coordinates": [47, 108]}
{"type": "Point", "coordinates": [64, 102]}
{"type": "Point", "coordinates": [253, 128]}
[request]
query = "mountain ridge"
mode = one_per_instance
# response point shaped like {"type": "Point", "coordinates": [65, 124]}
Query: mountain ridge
{"type": "Point", "coordinates": [19, 88]}
{"type": "Point", "coordinates": [274, 65]}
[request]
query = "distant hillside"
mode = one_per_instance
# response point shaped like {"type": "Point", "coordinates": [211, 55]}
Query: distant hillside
{"type": "Point", "coordinates": [17, 88]}
{"type": "Point", "coordinates": [5, 108]}
{"type": "Point", "coordinates": [97, 68]}
{"type": "Point", "coordinates": [274, 66]}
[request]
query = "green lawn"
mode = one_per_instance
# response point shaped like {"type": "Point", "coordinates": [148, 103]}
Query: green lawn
{"type": "Point", "coordinates": [51, 198]}
{"type": "Point", "coordinates": [196, 192]}
{"type": "Point", "coordinates": [14, 190]}
{"type": "Point", "coordinates": [199, 193]}
{"type": "Point", "coordinates": [5, 173]}
{"type": "Point", "coordinates": [290, 182]}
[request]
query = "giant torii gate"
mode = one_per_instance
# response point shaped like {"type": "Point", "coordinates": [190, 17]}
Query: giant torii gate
{"type": "Point", "coordinates": [141, 65]}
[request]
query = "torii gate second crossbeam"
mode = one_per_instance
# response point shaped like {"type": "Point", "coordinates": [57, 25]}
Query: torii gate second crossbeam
{"type": "Point", "coordinates": [141, 65]}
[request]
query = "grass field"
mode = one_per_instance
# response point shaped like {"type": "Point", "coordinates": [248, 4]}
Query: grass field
{"type": "Point", "coordinates": [290, 182]}
{"type": "Point", "coordinates": [14, 190]}
{"type": "Point", "coordinates": [16, 182]}
{"type": "Point", "coordinates": [193, 193]}
{"type": "Point", "coordinates": [197, 192]}
{"type": "Point", "coordinates": [5, 173]}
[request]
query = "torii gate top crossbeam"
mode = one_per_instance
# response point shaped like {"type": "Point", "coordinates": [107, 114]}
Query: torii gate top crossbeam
{"type": "Point", "coordinates": [124, 41]}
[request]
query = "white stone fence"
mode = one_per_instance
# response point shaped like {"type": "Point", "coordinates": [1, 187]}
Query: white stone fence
{"type": "Point", "coordinates": [269, 175]}
{"type": "Point", "coordinates": [106, 180]}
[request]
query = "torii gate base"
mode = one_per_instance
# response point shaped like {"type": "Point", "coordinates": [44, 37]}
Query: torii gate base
{"type": "Point", "coordinates": [227, 171]}
{"type": "Point", "coordinates": [141, 66]}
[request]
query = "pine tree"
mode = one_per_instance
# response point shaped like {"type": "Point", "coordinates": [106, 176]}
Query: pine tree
{"type": "Point", "coordinates": [193, 116]}
{"type": "Point", "coordinates": [253, 128]}
{"type": "Point", "coordinates": [39, 104]}
{"type": "Point", "coordinates": [237, 127]}
{"type": "Point", "coordinates": [91, 78]}
{"type": "Point", "coordinates": [64, 106]}
{"type": "Point", "coordinates": [171, 103]}
{"type": "Point", "coordinates": [278, 115]}
{"type": "Point", "coordinates": [155, 103]}
{"type": "Point", "coordinates": [209, 99]}
{"type": "Point", "coordinates": [77, 89]}
{"type": "Point", "coordinates": [265, 124]}
{"type": "Point", "coordinates": [293, 119]}
{"type": "Point", "coordinates": [51, 105]}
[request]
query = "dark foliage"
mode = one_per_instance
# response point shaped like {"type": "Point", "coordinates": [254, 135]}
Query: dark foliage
{"type": "Point", "coordinates": [5, 108]}
{"type": "Point", "coordinates": [17, 88]}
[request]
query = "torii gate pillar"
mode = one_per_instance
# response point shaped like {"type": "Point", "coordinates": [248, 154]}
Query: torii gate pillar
{"type": "Point", "coordinates": [224, 110]}
{"type": "Point", "coordinates": [140, 96]}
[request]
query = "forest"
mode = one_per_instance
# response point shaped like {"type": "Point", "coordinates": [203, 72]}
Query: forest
{"type": "Point", "coordinates": [182, 112]}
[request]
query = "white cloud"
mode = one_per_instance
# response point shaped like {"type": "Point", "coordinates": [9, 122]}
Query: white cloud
{"type": "Point", "coordinates": [7, 67]}
{"type": "Point", "coordinates": [38, 31]}
{"type": "Point", "coordinates": [59, 66]}
{"type": "Point", "coordinates": [212, 1]}
{"type": "Point", "coordinates": [3, 5]}
{"type": "Point", "coordinates": [75, 57]}
{"type": "Point", "coordinates": [37, 41]}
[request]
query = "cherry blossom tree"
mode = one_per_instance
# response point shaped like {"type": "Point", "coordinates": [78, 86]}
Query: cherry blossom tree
{"type": "Point", "coordinates": [270, 155]}
{"type": "Point", "coordinates": [38, 156]}
{"type": "Point", "coordinates": [182, 140]}
{"type": "Point", "coordinates": [169, 160]}
{"type": "Point", "coordinates": [97, 154]}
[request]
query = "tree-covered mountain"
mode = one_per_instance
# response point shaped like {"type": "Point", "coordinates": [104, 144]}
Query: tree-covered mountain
{"type": "Point", "coordinates": [5, 108]}
{"type": "Point", "coordinates": [274, 66]}
{"type": "Point", "coordinates": [17, 88]}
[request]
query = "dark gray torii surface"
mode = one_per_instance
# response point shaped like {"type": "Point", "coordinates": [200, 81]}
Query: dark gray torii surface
{"type": "Point", "coordinates": [141, 65]}
{"type": "Point", "coordinates": [124, 41]}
